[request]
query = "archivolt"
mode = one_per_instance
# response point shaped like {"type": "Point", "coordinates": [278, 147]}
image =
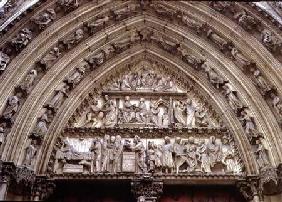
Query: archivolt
{"type": "Point", "coordinates": [31, 109]}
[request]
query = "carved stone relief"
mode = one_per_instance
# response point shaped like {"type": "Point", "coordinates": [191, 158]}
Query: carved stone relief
{"type": "Point", "coordinates": [115, 154]}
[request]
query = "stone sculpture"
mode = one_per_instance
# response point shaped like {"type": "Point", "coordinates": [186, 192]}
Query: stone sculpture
{"type": "Point", "coordinates": [58, 98]}
{"type": "Point", "coordinates": [245, 20]}
{"type": "Point", "coordinates": [76, 77]}
{"type": "Point", "coordinates": [98, 23]}
{"type": "Point", "coordinates": [11, 109]}
{"type": "Point", "coordinates": [45, 18]}
{"type": "Point", "coordinates": [2, 136]}
{"type": "Point", "coordinates": [28, 81]}
{"type": "Point", "coordinates": [261, 83]}
{"type": "Point", "coordinates": [217, 39]}
{"type": "Point", "coordinates": [68, 5]}
{"type": "Point", "coordinates": [73, 39]}
{"type": "Point", "coordinates": [49, 58]}
{"type": "Point", "coordinates": [41, 127]}
{"type": "Point", "coordinates": [30, 154]}
{"type": "Point", "coordinates": [4, 60]}
{"type": "Point", "coordinates": [270, 41]}
{"type": "Point", "coordinates": [170, 157]}
{"type": "Point", "coordinates": [238, 56]}
{"type": "Point", "coordinates": [22, 39]}
{"type": "Point", "coordinates": [213, 76]}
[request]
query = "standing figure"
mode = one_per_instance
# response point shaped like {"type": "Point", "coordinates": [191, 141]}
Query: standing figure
{"type": "Point", "coordinates": [142, 111]}
{"type": "Point", "coordinates": [248, 124]}
{"type": "Point", "coordinates": [178, 113]}
{"type": "Point", "coordinates": [109, 109]}
{"type": "Point", "coordinates": [41, 127]}
{"type": "Point", "coordinates": [105, 153]}
{"type": "Point", "coordinates": [158, 157]}
{"type": "Point", "coordinates": [140, 155]}
{"type": "Point", "coordinates": [178, 151]}
{"type": "Point", "coordinates": [204, 157]}
{"type": "Point", "coordinates": [96, 149]}
{"type": "Point", "coordinates": [262, 153]}
{"type": "Point", "coordinates": [58, 98]}
{"type": "Point", "coordinates": [190, 110]}
{"type": "Point", "coordinates": [167, 161]}
{"type": "Point", "coordinates": [28, 81]}
{"type": "Point", "coordinates": [49, 58]}
{"type": "Point", "coordinates": [214, 151]}
{"type": "Point", "coordinates": [151, 154]}
{"type": "Point", "coordinates": [118, 154]}
{"type": "Point", "coordinates": [216, 80]}
{"type": "Point", "coordinates": [127, 110]}
{"type": "Point", "coordinates": [30, 153]}
{"type": "Point", "coordinates": [261, 83]}
{"type": "Point", "coordinates": [238, 56]}
{"type": "Point", "coordinates": [155, 115]}
{"type": "Point", "coordinates": [232, 98]}
{"type": "Point", "coordinates": [11, 109]}
{"type": "Point", "coordinates": [192, 158]}
{"type": "Point", "coordinates": [201, 117]}
{"type": "Point", "coordinates": [76, 77]}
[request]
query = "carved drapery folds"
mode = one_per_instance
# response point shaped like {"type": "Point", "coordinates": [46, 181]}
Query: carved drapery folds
{"type": "Point", "coordinates": [169, 155]}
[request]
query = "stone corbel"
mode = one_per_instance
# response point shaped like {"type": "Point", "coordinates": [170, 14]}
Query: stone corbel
{"type": "Point", "coordinates": [269, 180]}
{"type": "Point", "coordinates": [146, 189]}
{"type": "Point", "coordinates": [7, 172]}
{"type": "Point", "coordinates": [43, 187]}
{"type": "Point", "coordinates": [250, 189]}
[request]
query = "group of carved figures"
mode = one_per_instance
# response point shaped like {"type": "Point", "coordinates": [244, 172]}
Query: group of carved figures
{"type": "Point", "coordinates": [108, 154]}
{"type": "Point", "coordinates": [144, 80]}
{"type": "Point", "coordinates": [159, 113]}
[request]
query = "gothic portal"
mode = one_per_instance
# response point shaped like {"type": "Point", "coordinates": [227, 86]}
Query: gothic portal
{"type": "Point", "coordinates": [141, 100]}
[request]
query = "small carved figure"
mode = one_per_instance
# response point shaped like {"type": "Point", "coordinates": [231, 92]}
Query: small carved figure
{"type": "Point", "coordinates": [45, 18]}
{"type": "Point", "coordinates": [191, 23]}
{"type": "Point", "coordinates": [58, 98]}
{"type": "Point", "coordinates": [105, 154]}
{"type": "Point", "coordinates": [167, 160]}
{"type": "Point", "coordinates": [28, 81]}
{"type": "Point", "coordinates": [142, 111]}
{"type": "Point", "coordinates": [4, 60]}
{"type": "Point", "coordinates": [245, 20]}
{"type": "Point", "coordinates": [97, 59]}
{"type": "Point", "coordinates": [190, 59]}
{"type": "Point", "coordinates": [41, 127]}
{"type": "Point", "coordinates": [124, 12]}
{"type": "Point", "coordinates": [222, 6]}
{"type": "Point", "coordinates": [277, 104]}
{"type": "Point", "coordinates": [204, 157]}
{"type": "Point", "coordinates": [214, 150]}
{"type": "Point", "coordinates": [109, 109]}
{"type": "Point", "coordinates": [261, 83]}
{"type": "Point", "coordinates": [96, 149]}
{"type": "Point", "coordinates": [128, 111]}
{"type": "Point", "coordinates": [232, 98]}
{"type": "Point", "coordinates": [2, 136]}
{"type": "Point", "coordinates": [178, 151]}
{"type": "Point", "coordinates": [178, 113]}
{"type": "Point", "coordinates": [213, 77]}
{"type": "Point", "coordinates": [168, 45]}
{"type": "Point", "coordinates": [118, 154]}
{"type": "Point", "coordinates": [238, 56]}
{"type": "Point", "coordinates": [98, 23]}
{"type": "Point", "coordinates": [154, 115]}
{"type": "Point", "coordinates": [140, 155]}
{"type": "Point", "coordinates": [190, 110]}
{"type": "Point", "coordinates": [73, 39]}
{"type": "Point", "coordinates": [68, 5]}
{"type": "Point", "coordinates": [22, 39]}
{"type": "Point", "coordinates": [76, 77]}
{"type": "Point", "coordinates": [201, 117]}
{"type": "Point", "coordinates": [11, 109]}
{"type": "Point", "coordinates": [30, 154]}
{"type": "Point", "coordinates": [49, 58]}
{"type": "Point", "coordinates": [111, 152]}
{"type": "Point", "coordinates": [270, 41]}
{"type": "Point", "coordinates": [151, 155]}
{"type": "Point", "coordinates": [218, 40]}
{"type": "Point", "coordinates": [164, 10]}
{"type": "Point", "coordinates": [262, 153]}
{"type": "Point", "coordinates": [248, 124]}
